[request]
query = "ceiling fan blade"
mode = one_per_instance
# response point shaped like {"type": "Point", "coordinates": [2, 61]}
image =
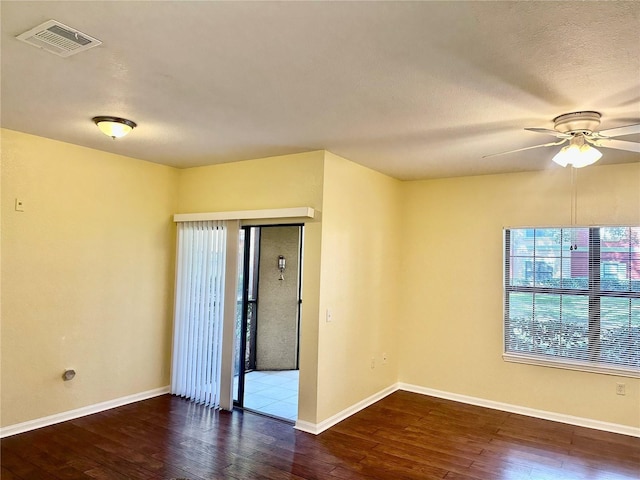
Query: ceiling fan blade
{"type": "Point", "coordinates": [530, 148]}
{"type": "Point", "coordinates": [549, 132]}
{"type": "Point", "coordinates": [618, 145]}
{"type": "Point", "coordinates": [619, 131]}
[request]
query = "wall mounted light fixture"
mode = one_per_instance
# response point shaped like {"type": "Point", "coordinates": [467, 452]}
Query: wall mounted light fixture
{"type": "Point", "coordinates": [114, 127]}
{"type": "Point", "coordinates": [282, 264]}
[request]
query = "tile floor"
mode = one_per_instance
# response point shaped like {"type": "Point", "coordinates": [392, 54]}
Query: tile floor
{"type": "Point", "coordinates": [272, 393]}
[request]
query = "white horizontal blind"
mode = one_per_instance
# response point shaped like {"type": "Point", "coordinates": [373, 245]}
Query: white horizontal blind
{"type": "Point", "coordinates": [572, 295]}
{"type": "Point", "coordinates": [199, 307]}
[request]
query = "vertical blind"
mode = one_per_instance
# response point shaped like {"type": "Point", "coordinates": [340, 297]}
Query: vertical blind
{"type": "Point", "coordinates": [198, 314]}
{"type": "Point", "coordinates": [573, 294]}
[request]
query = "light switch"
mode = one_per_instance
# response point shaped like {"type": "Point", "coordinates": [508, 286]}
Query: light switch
{"type": "Point", "coordinates": [19, 205]}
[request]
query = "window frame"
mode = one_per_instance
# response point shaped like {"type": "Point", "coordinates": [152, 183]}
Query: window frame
{"type": "Point", "coordinates": [594, 295]}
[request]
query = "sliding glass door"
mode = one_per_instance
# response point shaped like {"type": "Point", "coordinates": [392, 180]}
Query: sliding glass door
{"type": "Point", "coordinates": [268, 321]}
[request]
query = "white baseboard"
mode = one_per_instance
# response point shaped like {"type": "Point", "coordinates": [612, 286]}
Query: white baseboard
{"type": "Point", "coordinates": [316, 428]}
{"type": "Point", "coordinates": [530, 412]}
{"type": "Point", "coordinates": [80, 412]}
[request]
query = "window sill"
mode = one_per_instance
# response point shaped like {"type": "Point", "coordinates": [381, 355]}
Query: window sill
{"type": "Point", "coordinates": [572, 365]}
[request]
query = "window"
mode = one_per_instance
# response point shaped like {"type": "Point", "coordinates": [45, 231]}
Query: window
{"type": "Point", "coordinates": [572, 298]}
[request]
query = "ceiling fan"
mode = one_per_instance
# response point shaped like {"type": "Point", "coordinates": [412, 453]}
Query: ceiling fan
{"type": "Point", "coordinates": [579, 129]}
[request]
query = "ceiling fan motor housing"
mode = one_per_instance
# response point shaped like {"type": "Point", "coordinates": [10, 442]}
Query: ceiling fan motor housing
{"type": "Point", "coordinates": [577, 122]}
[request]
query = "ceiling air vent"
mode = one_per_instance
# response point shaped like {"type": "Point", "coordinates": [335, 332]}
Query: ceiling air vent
{"type": "Point", "coordinates": [55, 37]}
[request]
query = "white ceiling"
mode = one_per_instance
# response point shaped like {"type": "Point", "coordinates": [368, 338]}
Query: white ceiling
{"type": "Point", "coordinates": [411, 89]}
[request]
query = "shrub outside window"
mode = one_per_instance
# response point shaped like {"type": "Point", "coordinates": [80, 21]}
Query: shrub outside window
{"type": "Point", "coordinates": [572, 298]}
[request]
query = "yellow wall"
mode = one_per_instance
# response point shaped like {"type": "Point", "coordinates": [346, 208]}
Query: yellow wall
{"type": "Point", "coordinates": [451, 285]}
{"type": "Point", "coordinates": [276, 182]}
{"type": "Point", "coordinates": [359, 284]}
{"type": "Point", "coordinates": [87, 276]}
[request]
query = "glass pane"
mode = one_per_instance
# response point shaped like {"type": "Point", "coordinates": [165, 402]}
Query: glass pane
{"type": "Point", "coordinates": [634, 240]}
{"type": "Point", "coordinates": [574, 336]}
{"type": "Point", "coordinates": [548, 272]}
{"type": "Point", "coordinates": [635, 314]}
{"type": "Point", "coordinates": [556, 325]}
{"type": "Point", "coordinates": [614, 272]}
{"type": "Point", "coordinates": [522, 242]}
{"type": "Point", "coordinates": [549, 257]}
{"type": "Point", "coordinates": [634, 333]}
{"type": "Point", "coordinates": [250, 355]}
{"type": "Point", "coordinates": [575, 239]}
{"type": "Point", "coordinates": [619, 337]}
{"type": "Point", "coordinates": [521, 261]}
{"type": "Point", "coordinates": [548, 242]}
{"type": "Point", "coordinates": [547, 264]}
{"type": "Point", "coordinates": [518, 329]}
{"type": "Point", "coordinates": [254, 253]}
{"type": "Point", "coordinates": [575, 258]}
{"type": "Point", "coordinates": [615, 235]}
{"type": "Point", "coordinates": [521, 271]}
{"type": "Point", "coordinates": [546, 324]}
{"type": "Point", "coordinates": [615, 255]}
{"type": "Point", "coordinates": [634, 271]}
{"type": "Point", "coordinates": [635, 275]}
{"type": "Point", "coordinates": [238, 329]}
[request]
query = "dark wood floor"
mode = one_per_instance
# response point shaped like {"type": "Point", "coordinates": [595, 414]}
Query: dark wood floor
{"type": "Point", "coordinates": [404, 436]}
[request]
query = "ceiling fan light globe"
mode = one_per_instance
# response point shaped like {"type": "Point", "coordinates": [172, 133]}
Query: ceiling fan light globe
{"type": "Point", "coordinates": [577, 155]}
{"type": "Point", "coordinates": [563, 157]}
{"type": "Point", "coordinates": [588, 156]}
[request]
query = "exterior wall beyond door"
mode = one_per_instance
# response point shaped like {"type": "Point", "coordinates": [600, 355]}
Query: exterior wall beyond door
{"type": "Point", "coordinates": [277, 321]}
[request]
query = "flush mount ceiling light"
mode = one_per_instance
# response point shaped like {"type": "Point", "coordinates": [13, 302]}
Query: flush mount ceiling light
{"type": "Point", "coordinates": [578, 153]}
{"type": "Point", "coordinates": [114, 127]}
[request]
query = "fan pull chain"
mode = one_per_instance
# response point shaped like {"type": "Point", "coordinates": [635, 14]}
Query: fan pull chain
{"type": "Point", "coordinates": [574, 206]}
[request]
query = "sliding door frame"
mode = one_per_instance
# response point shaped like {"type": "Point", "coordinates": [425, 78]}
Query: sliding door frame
{"type": "Point", "coordinates": [246, 255]}
{"type": "Point", "coordinates": [233, 221]}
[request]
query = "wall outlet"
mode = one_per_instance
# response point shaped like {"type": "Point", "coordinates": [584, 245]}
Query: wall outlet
{"type": "Point", "coordinates": [621, 389]}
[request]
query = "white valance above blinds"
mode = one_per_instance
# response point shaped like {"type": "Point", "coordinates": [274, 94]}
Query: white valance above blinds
{"type": "Point", "coordinates": [274, 213]}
